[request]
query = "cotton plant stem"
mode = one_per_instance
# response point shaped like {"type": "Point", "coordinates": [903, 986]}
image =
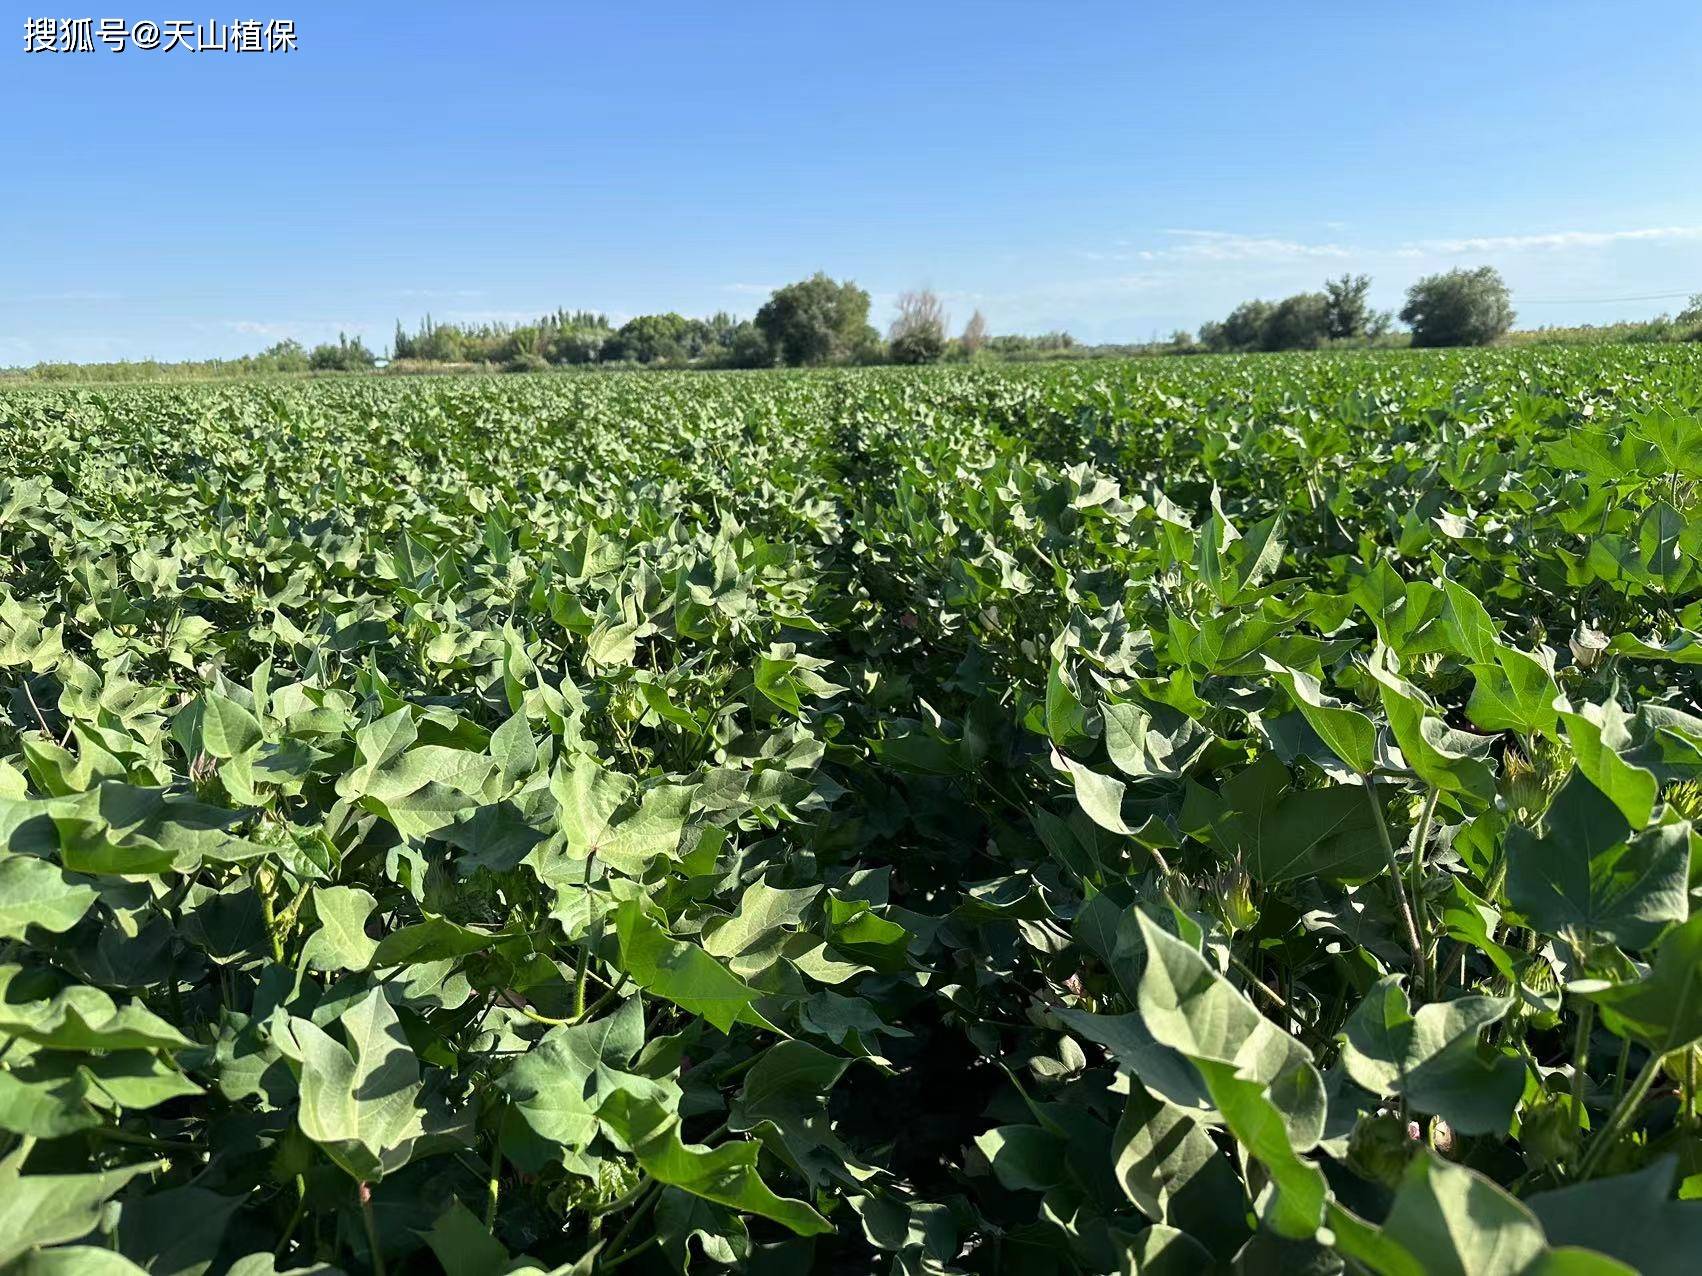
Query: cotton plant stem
{"type": "Point", "coordinates": [1275, 998]}
{"type": "Point", "coordinates": [1420, 966]}
{"type": "Point", "coordinates": [1690, 1085]}
{"type": "Point", "coordinates": [493, 1177]}
{"type": "Point", "coordinates": [365, 1193]}
{"type": "Point", "coordinates": [634, 1252]}
{"type": "Point", "coordinates": [295, 1217]}
{"type": "Point", "coordinates": [640, 1209]}
{"type": "Point", "coordinates": [1580, 1058]}
{"type": "Point", "coordinates": [1621, 1114]}
{"type": "Point", "coordinates": [1421, 836]}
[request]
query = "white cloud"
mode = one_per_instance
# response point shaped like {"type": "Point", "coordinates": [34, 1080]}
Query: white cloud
{"type": "Point", "coordinates": [306, 331]}
{"type": "Point", "coordinates": [1221, 245]}
{"type": "Point", "coordinates": [1553, 240]}
{"type": "Point", "coordinates": [460, 294]}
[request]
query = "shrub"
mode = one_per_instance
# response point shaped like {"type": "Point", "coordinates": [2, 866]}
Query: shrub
{"type": "Point", "coordinates": [1459, 308]}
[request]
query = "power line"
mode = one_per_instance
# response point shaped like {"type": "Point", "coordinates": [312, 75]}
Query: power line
{"type": "Point", "coordinates": [1602, 301]}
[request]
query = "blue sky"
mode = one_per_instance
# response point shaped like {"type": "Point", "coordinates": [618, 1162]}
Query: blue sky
{"type": "Point", "coordinates": [1119, 170]}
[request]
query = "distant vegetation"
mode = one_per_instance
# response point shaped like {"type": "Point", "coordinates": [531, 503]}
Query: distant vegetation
{"type": "Point", "coordinates": [821, 321]}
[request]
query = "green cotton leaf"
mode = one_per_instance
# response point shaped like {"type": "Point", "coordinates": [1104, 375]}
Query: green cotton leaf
{"type": "Point", "coordinates": [612, 643]}
{"type": "Point", "coordinates": [1630, 1217]}
{"type": "Point", "coordinates": [50, 1209]}
{"type": "Point", "coordinates": [34, 892]}
{"type": "Point", "coordinates": [1350, 735]}
{"type": "Point", "coordinates": [462, 1245]}
{"type": "Point", "coordinates": [227, 729]}
{"type": "Point", "coordinates": [683, 973]}
{"type": "Point", "coordinates": [1161, 1250]}
{"type": "Point", "coordinates": [1470, 630]}
{"type": "Point", "coordinates": [1173, 1172]}
{"type": "Point", "coordinates": [125, 829]}
{"type": "Point", "coordinates": [460, 771]}
{"type": "Point", "coordinates": [788, 1083]}
{"type": "Point", "coordinates": [1661, 542]}
{"type": "Point", "coordinates": [1515, 693]}
{"type": "Point", "coordinates": [1215, 537]}
{"type": "Point", "coordinates": [1470, 920]}
{"type": "Point", "coordinates": [1432, 1058]}
{"type": "Point", "coordinates": [178, 1231]}
{"type": "Point", "coordinates": [763, 911]}
{"type": "Point", "coordinates": [1254, 557]}
{"type": "Point", "coordinates": [1663, 1009]}
{"type": "Point", "coordinates": [855, 929]}
{"type": "Point", "coordinates": [1147, 742]}
{"type": "Point", "coordinates": [1189, 1007]}
{"type": "Point", "coordinates": [1158, 1068]}
{"type": "Point", "coordinates": [1294, 1206]}
{"type": "Point", "coordinates": [376, 744]}
{"type": "Point", "coordinates": [726, 1174]}
{"type": "Point", "coordinates": [1282, 834]}
{"type": "Point", "coordinates": [78, 1084]}
{"type": "Point", "coordinates": [78, 1017]}
{"type": "Point", "coordinates": [1448, 1220]}
{"type": "Point", "coordinates": [45, 1101]}
{"type": "Point", "coordinates": [1684, 647]}
{"type": "Point", "coordinates": [514, 750]}
{"type": "Point", "coordinates": [590, 798]}
{"type": "Point", "coordinates": [358, 1101]}
{"type": "Point", "coordinates": [558, 1086]}
{"type": "Point", "coordinates": [682, 1218]}
{"type": "Point", "coordinates": [1025, 1158]}
{"type": "Point", "coordinates": [341, 942]}
{"type": "Point", "coordinates": [81, 1260]}
{"type": "Point", "coordinates": [1068, 722]}
{"type": "Point", "coordinates": [135, 1080]}
{"type": "Point", "coordinates": [1446, 759]}
{"type": "Point", "coordinates": [1582, 872]}
{"type": "Point", "coordinates": [434, 939]}
{"type": "Point", "coordinates": [1599, 737]}
{"type": "Point", "coordinates": [1099, 796]}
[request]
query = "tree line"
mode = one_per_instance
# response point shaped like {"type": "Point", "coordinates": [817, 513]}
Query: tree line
{"type": "Point", "coordinates": [821, 320]}
{"type": "Point", "coordinates": [1456, 308]}
{"type": "Point", "coordinates": [815, 321]}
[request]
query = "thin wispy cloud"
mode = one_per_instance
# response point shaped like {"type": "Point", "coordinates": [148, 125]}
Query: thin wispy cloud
{"type": "Point", "coordinates": [1222, 245]}
{"type": "Point", "coordinates": [1211, 246]}
{"type": "Point", "coordinates": [298, 329]}
{"type": "Point", "coordinates": [1560, 239]}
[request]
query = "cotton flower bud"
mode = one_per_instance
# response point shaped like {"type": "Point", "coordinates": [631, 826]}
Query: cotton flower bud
{"type": "Point", "coordinates": [1589, 645]}
{"type": "Point", "coordinates": [1232, 892]}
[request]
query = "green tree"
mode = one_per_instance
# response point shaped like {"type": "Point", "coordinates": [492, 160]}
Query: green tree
{"type": "Point", "coordinates": [1244, 327]}
{"type": "Point", "coordinates": [1459, 308]}
{"type": "Point", "coordinates": [748, 348]}
{"type": "Point", "coordinates": [1300, 322]}
{"type": "Point", "coordinates": [815, 320]}
{"type": "Point", "coordinates": [651, 339]}
{"type": "Point", "coordinates": [1348, 312]}
{"type": "Point", "coordinates": [348, 355]}
{"type": "Point", "coordinates": [287, 355]}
